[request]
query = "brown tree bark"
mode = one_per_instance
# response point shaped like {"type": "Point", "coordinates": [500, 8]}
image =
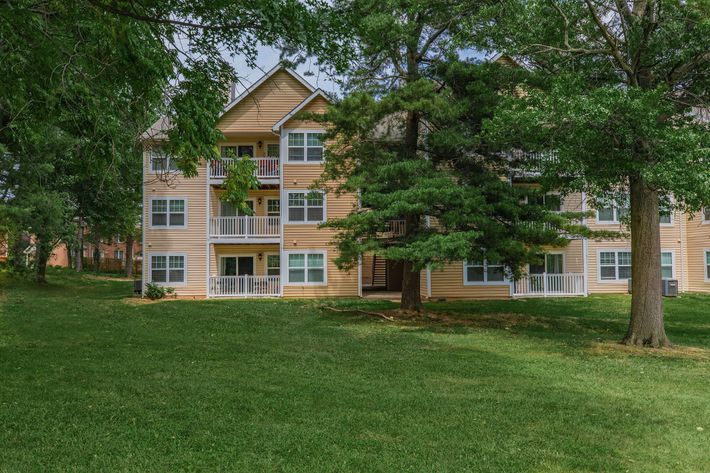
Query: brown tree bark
{"type": "Point", "coordinates": [646, 325]}
{"type": "Point", "coordinates": [128, 255]}
{"type": "Point", "coordinates": [79, 254]}
{"type": "Point", "coordinates": [42, 253]}
{"type": "Point", "coordinates": [411, 297]}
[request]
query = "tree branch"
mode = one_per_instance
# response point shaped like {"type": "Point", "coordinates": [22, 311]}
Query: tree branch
{"type": "Point", "coordinates": [613, 44]}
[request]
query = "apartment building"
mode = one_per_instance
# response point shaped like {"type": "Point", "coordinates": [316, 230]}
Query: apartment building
{"type": "Point", "coordinates": [204, 248]}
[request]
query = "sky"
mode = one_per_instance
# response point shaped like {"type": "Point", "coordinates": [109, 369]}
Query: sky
{"type": "Point", "coordinates": [269, 57]}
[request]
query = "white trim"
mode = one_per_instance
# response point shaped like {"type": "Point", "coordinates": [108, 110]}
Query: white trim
{"type": "Point", "coordinates": [208, 216]}
{"type": "Point", "coordinates": [585, 264]}
{"type": "Point", "coordinates": [359, 275]}
{"type": "Point", "coordinates": [145, 213]}
{"type": "Point", "coordinates": [285, 147]}
{"type": "Point", "coordinates": [706, 252]}
{"type": "Point", "coordinates": [282, 237]}
{"type": "Point", "coordinates": [263, 79]}
{"type": "Point", "coordinates": [167, 225]}
{"type": "Point", "coordinates": [266, 202]}
{"type": "Point", "coordinates": [485, 282]}
{"type": "Point", "coordinates": [616, 279]}
{"type": "Point", "coordinates": [167, 268]}
{"type": "Point", "coordinates": [298, 108]}
{"type": "Point", "coordinates": [285, 218]}
{"type": "Point", "coordinates": [285, 267]}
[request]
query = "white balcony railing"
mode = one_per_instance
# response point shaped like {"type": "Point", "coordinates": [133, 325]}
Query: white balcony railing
{"type": "Point", "coordinates": [266, 168]}
{"type": "Point", "coordinates": [244, 286]}
{"type": "Point", "coordinates": [245, 227]}
{"type": "Point", "coordinates": [569, 284]}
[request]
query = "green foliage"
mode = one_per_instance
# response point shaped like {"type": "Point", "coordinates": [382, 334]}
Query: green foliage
{"type": "Point", "coordinates": [155, 291]}
{"type": "Point", "coordinates": [241, 178]}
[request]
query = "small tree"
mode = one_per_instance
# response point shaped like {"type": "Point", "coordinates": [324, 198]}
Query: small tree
{"type": "Point", "coordinates": [618, 85]}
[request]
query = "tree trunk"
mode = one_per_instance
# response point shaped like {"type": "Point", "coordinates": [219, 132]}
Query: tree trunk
{"type": "Point", "coordinates": [97, 256]}
{"type": "Point", "coordinates": [646, 325]}
{"type": "Point", "coordinates": [411, 297]}
{"type": "Point", "coordinates": [79, 256]}
{"type": "Point", "coordinates": [129, 255]}
{"type": "Point", "coordinates": [42, 252]}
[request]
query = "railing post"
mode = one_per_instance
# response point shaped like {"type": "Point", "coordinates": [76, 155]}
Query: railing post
{"type": "Point", "coordinates": [544, 284]}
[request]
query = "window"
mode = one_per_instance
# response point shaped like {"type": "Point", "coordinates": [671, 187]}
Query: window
{"type": "Point", "coordinates": [305, 147]}
{"type": "Point", "coordinates": [614, 265]}
{"type": "Point", "coordinates": [118, 254]}
{"type": "Point", "coordinates": [707, 265]}
{"type": "Point", "coordinates": [273, 207]}
{"type": "Point", "coordinates": [273, 150]}
{"type": "Point", "coordinates": [237, 151]}
{"type": "Point", "coordinates": [167, 269]}
{"type": "Point", "coordinates": [665, 211]}
{"type": "Point", "coordinates": [552, 202]}
{"type": "Point", "coordinates": [306, 268]}
{"type": "Point", "coordinates": [227, 209]}
{"type": "Point", "coordinates": [706, 214]}
{"type": "Point", "coordinates": [273, 265]}
{"type": "Point", "coordinates": [168, 213]}
{"type": "Point", "coordinates": [117, 238]}
{"type": "Point", "coordinates": [611, 212]}
{"type": "Point", "coordinates": [307, 207]}
{"type": "Point", "coordinates": [483, 272]}
{"type": "Point", "coordinates": [553, 263]}
{"type": "Point", "coordinates": [666, 265]}
{"type": "Point", "coordinates": [161, 162]}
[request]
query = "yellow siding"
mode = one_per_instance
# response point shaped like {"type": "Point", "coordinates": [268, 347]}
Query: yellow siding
{"type": "Point", "coordinates": [698, 241]}
{"type": "Point", "coordinates": [448, 283]}
{"type": "Point", "coordinates": [265, 106]}
{"type": "Point", "coordinates": [190, 241]}
{"type": "Point", "coordinates": [300, 176]}
{"type": "Point", "coordinates": [367, 262]}
{"type": "Point", "coordinates": [317, 105]}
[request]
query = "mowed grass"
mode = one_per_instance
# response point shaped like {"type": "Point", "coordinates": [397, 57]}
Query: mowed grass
{"type": "Point", "coordinates": [92, 381]}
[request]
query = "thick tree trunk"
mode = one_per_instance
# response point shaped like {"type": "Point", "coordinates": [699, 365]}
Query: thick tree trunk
{"type": "Point", "coordinates": [129, 255]}
{"type": "Point", "coordinates": [646, 326]}
{"type": "Point", "coordinates": [79, 255]}
{"type": "Point", "coordinates": [42, 252]}
{"type": "Point", "coordinates": [411, 297]}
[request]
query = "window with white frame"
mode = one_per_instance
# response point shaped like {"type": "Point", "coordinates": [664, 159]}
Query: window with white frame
{"type": "Point", "coordinates": [167, 269]}
{"type": "Point", "coordinates": [551, 201]}
{"type": "Point", "coordinates": [273, 207]}
{"type": "Point", "coordinates": [306, 207]}
{"type": "Point", "coordinates": [666, 265]}
{"type": "Point", "coordinates": [665, 210]}
{"type": "Point", "coordinates": [486, 272]}
{"type": "Point", "coordinates": [706, 214]}
{"type": "Point", "coordinates": [117, 238]}
{"type": "Point", "coordinates": [306, 268]}
{"type": "Point", "coordinates": [305, 147]}
{"type": "Point", "coordinates": [167, 213]}
{"type": "Point", "coordinates": [707, 265]}
{"type": "Point", "coordinates": [161, 161]}
{"type": "Point", "coordinates": [118, 254]}
{"type": "Point", "coordinates": [614, 265]}
{"type": "Point", "coordinates": [273, 265]}
{"type": "Point", "coordinates": [611, 212]}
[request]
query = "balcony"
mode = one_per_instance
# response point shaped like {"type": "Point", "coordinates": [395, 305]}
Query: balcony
{"type": "Point", "coordinates": [550, 285]}
{"type": "Point", "coordinates": [244, 286]}
{"type": "Point", "coordinates": [267, 170]}
{"type": "Point", "coordinates": [394, 229]}
{"type": "Point", "coordinates": [245, 228]}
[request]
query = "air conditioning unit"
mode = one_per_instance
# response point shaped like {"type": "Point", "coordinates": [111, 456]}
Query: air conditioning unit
{"type": "Point", "coordinates": [669, 287]}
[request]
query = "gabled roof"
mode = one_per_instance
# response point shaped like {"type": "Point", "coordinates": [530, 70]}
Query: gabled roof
{"type": "Point", "coordinates": [157, 130]}
{"type": "Point", "coordinates": [298, 108]}
{"type": "Point", "coordinates": [263, 79]}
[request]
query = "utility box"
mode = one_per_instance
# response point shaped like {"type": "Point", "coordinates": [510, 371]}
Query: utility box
{"type": "Point", "coordinates": [669, 287]}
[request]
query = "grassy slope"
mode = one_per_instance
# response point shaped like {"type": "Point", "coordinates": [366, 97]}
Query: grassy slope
{"type": "Point", "coordinates": [90, 382]}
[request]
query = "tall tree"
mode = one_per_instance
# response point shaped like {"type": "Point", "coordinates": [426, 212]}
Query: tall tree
{"type": "Point", "coordinates": [618, 87]}
{"type": "Point", "coordinates": [450, 194]}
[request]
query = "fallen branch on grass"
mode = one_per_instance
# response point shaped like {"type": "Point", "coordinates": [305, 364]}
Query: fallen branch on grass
{"type": "Point", "coordinates": [377, 314]}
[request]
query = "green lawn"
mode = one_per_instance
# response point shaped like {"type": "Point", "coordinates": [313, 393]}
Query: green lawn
{"type": "Point", "coordinates": [91, 382]}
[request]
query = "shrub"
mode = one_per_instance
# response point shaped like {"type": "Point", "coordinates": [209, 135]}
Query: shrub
{"type": "Point", "coordinates": [154, 291]}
